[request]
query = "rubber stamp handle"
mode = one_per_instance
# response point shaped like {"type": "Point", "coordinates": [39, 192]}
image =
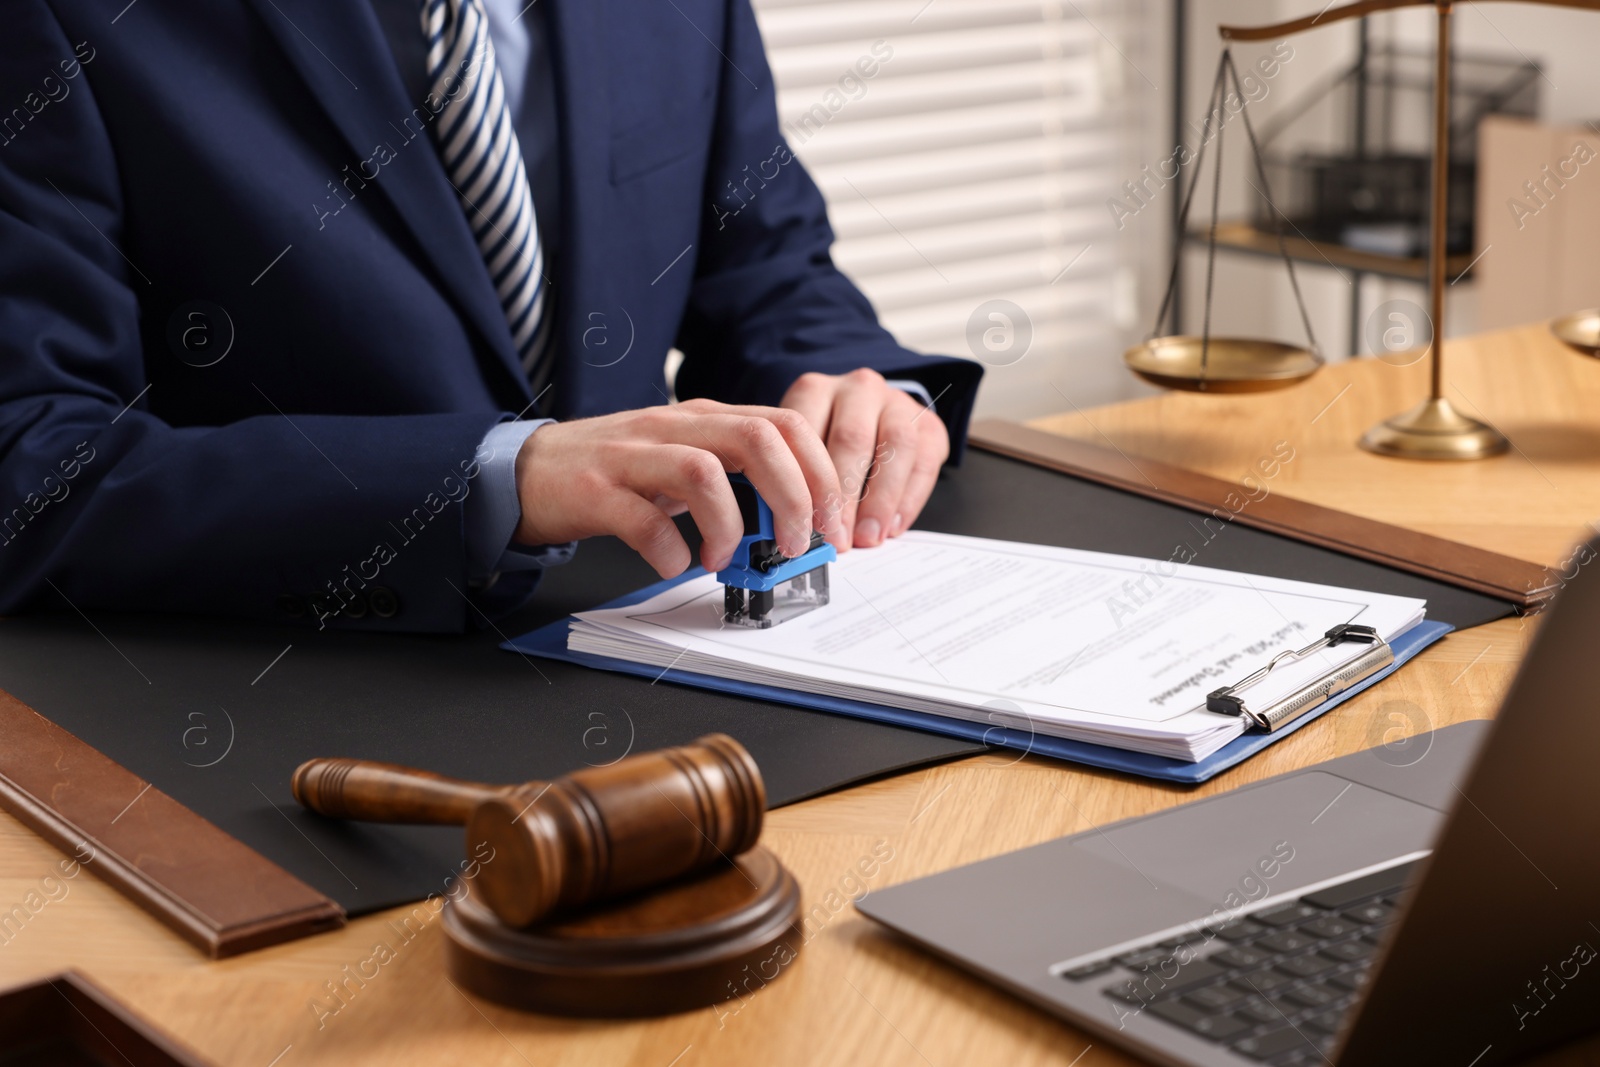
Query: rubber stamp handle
{"type": "Point", "coordinates": [383, 792]}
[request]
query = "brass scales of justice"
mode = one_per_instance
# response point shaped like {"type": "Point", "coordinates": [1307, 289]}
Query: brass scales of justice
{"type": "Point", "coordinates": [1433, 429]}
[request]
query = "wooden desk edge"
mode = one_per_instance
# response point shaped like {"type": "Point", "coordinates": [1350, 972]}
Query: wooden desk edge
{"type": "Point", "coordinates": [1524, 584]}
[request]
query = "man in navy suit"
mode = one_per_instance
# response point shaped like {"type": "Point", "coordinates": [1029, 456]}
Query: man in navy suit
{"type": "Point", "coordinates": [291, 290]}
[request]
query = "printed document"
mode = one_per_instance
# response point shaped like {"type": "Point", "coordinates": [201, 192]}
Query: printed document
{"type": "Point", "coordinates": [1112, 650]}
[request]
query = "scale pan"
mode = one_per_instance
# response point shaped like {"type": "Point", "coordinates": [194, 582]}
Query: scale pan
{"type": "Point", "coordinates": [1580, 331]}
{"type": "Point", "coordinates": [1233, 365]}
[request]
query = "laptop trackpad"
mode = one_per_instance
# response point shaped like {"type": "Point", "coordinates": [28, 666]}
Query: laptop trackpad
{"type": "Point", "coordinates": [1272, 838]}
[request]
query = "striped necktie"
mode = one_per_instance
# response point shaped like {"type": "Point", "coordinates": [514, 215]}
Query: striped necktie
{"type": "Point", "coordinates": [484, 162]}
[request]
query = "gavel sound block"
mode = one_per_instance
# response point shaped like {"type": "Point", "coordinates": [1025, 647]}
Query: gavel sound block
{"type": "Point", "coordinates": [631, 889]}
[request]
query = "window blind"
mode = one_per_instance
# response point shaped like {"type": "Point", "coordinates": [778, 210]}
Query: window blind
{"type": "Point", "coordinates": [967, 149]}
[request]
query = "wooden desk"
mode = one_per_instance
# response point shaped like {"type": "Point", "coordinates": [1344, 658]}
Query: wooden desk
{"type": "Point", "coordinates": [857, 995]}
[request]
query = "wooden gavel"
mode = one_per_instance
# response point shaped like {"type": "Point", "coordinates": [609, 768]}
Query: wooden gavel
{"type": "Point", "coordinates": [592, 835]}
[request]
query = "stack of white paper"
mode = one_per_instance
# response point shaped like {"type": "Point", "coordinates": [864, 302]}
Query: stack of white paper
{"type": "Point", "coordinates": [1113, 650]}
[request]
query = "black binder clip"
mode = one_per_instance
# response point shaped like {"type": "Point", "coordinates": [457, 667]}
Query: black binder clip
{"type": "Point", "coordinates": [1227, 701]}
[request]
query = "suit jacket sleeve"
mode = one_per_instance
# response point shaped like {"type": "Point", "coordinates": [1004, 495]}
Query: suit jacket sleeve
{"type": "Point", "coordinates": [768, 304]}
{"type": "Point", "coordinates": [103, 503]}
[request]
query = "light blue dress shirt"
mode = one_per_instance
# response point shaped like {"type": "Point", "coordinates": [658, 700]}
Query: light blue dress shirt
{"type": "Point", "coordinates": [522, 52]}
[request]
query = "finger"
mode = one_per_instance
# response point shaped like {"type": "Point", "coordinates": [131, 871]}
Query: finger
{"type": "Point", "coordinates": [646, 529]}
{"type": "Point", "coordinates": [747, 440]}
{"type": "Point", "coordinates": [695, 477]}
{"type": "Point", "coordinates": [670, 506]}
{"type": "Point", "coordinates": [753, 446]}
{"type": "Point", "coordinates": [893, 457]}
{"type": "Point", "coordinates": [933, 448]}
{"type": "Point", "coordinates": [812, 396]}
{"type": "Point", "coordinates": [852, 436]}
{"type": "Point", "coordinates": [822, 481]}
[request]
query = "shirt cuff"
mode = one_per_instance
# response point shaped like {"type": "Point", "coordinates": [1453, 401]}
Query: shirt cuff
{"type": "Point", "coordinates": [492, 514]}
{"type": "Point", "coordinates": [915, 388]}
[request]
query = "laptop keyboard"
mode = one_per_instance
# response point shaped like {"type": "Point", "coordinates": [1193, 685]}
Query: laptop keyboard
{"type": "Point", "coordinates": [1272, 985]}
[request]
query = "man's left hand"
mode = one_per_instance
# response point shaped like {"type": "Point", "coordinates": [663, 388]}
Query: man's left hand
{"type": "Point", "coordinates": [886, 446]}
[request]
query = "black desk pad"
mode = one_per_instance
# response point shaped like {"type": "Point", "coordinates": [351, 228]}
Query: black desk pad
{"type": "Point", "coordinates": [205, 712]}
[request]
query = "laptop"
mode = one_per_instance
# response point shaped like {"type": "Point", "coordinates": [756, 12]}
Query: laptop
{"type": "Point", "coordinates": [1434, 900]}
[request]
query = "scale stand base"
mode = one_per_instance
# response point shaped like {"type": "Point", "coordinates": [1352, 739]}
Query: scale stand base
{"type": "Point", "coordinates": [1434, 430]}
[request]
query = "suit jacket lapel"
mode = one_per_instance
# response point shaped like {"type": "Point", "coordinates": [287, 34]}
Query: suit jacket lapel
{"type": "Point", "coordinates": [341, 52]}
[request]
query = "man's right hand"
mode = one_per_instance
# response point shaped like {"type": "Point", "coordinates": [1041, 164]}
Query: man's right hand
{"type": "Point", "coordinates": [627, 474]}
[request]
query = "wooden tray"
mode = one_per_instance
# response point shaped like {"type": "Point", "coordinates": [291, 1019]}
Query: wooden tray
{"type": "Point", "coordinates": [68, 1021]}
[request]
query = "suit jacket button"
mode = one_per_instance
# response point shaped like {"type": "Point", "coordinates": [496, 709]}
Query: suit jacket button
{"type": "Point", "coordinates": [357, 607]}
{"type": "Point", "coordinates": [323, 606]}
{"type": "Point", "coordinates": [384, 603]}
{"type": "Point", "coordinates": [292, 606]}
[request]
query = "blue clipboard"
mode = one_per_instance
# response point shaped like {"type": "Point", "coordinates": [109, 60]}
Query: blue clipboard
{"type": "Point", "coordinates": [550, 642]}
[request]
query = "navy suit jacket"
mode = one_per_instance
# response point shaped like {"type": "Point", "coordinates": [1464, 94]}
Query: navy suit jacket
{"type": "Point", "coordinates": [247, 344]}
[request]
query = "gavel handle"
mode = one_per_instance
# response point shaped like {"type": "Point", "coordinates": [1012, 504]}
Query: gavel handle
{"type": "Point", "coordinates": [383, 792]}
